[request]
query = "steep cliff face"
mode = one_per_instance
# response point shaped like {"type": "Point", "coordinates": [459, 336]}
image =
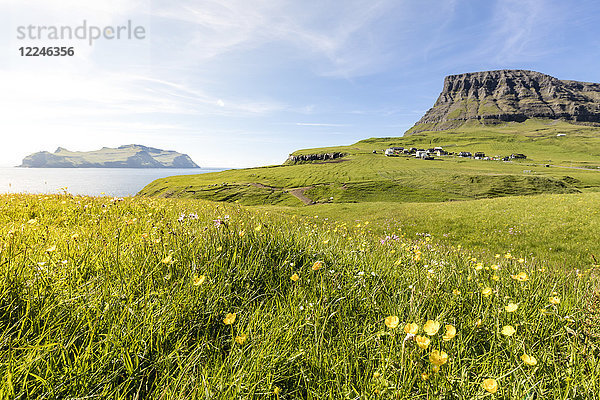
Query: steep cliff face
{"type": "Point", "coordinates": [510, 95]}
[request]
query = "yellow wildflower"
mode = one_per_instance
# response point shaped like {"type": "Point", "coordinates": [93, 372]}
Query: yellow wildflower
{"type": "Point", "coordinates": [229, 319]}
{"type": "Point", "coordinates": [438, 357]}
{"type": "Point", "coordinates": [508, 330]}
{"type": "Point", "coordinates": [199, 280]}
{"type": "Point", "coordinates": [521, 276]}
{"type": "Point", "coordinates": [456, 292]}
{"type": "Point", "coordinates": [424, 376]}
{"type": "Point", "coordinates": [487, 291]}
{"type": "Point", "coordinates": [51, 249]}
{"type": "Point", "coordinates": [392, 321]}
{"type": "Point", "coordinates": [317, 265]}
{"type": "Point", "coordinates": [167, 259]}
{"type": "Point", "coordinates": [490, 385]}
{"type": "Point", "coordinates": [295, 277]}
{"type": "Point", "coordinates": [422, 341]}
{"type": "Point", "coordinates": [511, 307]}
{"type": "Point", "coordinates": [529, 360]}
{"type": "Point", "coordinates": [411, 328]}
{"type": "Point", "coordinates": [241, 339]}
{"type": "Point", "coordinates": [554, 300]}
{"type": "Point", "coordinates": [450, 333]}
{"type": "Point", "coordinates": [431, 327]}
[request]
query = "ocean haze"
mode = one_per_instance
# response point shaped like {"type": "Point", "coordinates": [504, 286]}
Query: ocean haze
{"type": "Point", "coordinates": [86, 181]}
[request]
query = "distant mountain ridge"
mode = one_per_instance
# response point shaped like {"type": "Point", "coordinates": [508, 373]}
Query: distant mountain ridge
{"type": "Point", "coordinates": [128, 156]}
{"type": "Point", "coordinates": [491, 97]}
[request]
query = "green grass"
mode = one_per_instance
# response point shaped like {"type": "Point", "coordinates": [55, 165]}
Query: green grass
{"type": "Point", "coordinates": [559, 229]}
{"type": "Point", "coordinates": [101, 298]}
{"type": "Point", "coordinates": [362, 176]}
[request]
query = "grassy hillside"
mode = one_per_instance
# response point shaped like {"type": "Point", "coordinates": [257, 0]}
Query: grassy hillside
{"type": "Point", "coordinates": [362, 176]}
{"type": "Point", "coordinates": [184, 299]}
{"type": "Point", "coordinates": [556, 229]}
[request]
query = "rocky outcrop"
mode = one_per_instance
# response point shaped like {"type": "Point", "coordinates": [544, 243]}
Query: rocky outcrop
{"type": "Point", "coordinates": [129, 156]}
{"type": "Point", "coordinates": [491, 97]}
{"type": "Point", "coordinates": [304, 158]}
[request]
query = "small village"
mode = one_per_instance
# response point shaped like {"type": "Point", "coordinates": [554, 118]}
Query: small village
{"type": "Point", "coordinates": [430, 154]}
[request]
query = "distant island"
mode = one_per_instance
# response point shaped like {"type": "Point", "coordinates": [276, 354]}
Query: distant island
{"type": "Point", "coordinates": [128, 156]}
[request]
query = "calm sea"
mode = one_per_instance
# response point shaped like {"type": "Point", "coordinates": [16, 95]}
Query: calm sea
{"type": "Point", "coordinates": [86, 181]}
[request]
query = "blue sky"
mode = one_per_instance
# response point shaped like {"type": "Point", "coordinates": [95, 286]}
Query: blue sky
{"type": "Point", "coordinates": [238, 83]}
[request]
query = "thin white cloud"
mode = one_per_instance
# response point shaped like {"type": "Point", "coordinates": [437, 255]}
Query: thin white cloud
{"type": "Point", "coordinates": [343, 38]}
{"type": "Point", "coordinates": [520, 30]}
{"type": "Point", "coordinates": [320, 124]}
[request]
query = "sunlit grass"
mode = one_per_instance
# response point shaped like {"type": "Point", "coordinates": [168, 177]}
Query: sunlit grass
{"type": "Point", "coordinates": [159, 298]}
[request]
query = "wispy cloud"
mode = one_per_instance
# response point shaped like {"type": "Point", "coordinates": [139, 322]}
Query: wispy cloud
{"type": "Point", "coordinates": [521, 30]}
{"type": "Point", "coordinates": [343, 39]}
{"type": "Point", "coordinates": [319, 124]}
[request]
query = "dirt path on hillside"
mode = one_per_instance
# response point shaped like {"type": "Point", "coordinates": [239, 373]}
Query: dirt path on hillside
{"type": "Point", "coordinates": [296, 192]}
{"type": "Point", "coordinates": [299, 194]}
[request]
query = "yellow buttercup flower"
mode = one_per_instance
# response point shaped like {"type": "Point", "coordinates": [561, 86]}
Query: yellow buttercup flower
{"type": "Point", "coordinates": [431, 327]}
{"type": "Point", "coordinates": [229, 319]}
{"type": "Point", "coordinates": [392, 321]}
{"type": "Point", "coordinates": [438, 357]}
{"type": "Point", "coordinates": [511, 307]}
{"type": "Point", "coordinates": [422, 341]}
{"type": "Point", "coordinates": [487, 291]}
{"type": "Point", "coordinates": [424, 376]}
{"type": "Point", "coordinates": [490, 385]}
{"type": "Point", "coordinates": [317, 265]}
{"type": "Point", "coordinates": [167, 259]}
{"type": "Point", "coordinates": [508, 330]}
{"type": "Point", "coordinates": [529, 360]}
{"type": "Point", "coordinates": [450, 333]}
{"type": "Point", "coordinates": [521, 276]}
{"type": "Point", "coordinates": [411, 328]}
{"type": "Point", "coordinates": [456, 292]}
{"type": "Point", "coordinates": [554, 300]}
{"type": "Point", "coordinates": [241, 339]}
{"type": "Point", "coordinates": [199, 280]}
{"type": "Point", "coordinates": [295, 277]}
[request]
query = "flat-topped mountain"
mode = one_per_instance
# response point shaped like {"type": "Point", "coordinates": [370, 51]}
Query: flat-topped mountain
{"type": "Point", "coordinates": [491, 97]}
{"type": "Point", "coordinates": [128, 156]}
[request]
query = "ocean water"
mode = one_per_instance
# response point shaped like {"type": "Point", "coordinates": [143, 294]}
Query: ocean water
{"type": "Point", "coordinates": [119, 182]}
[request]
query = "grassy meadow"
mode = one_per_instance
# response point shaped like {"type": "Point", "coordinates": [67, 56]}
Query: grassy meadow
{"type": "Point", "coordinates": [560, 229]}
{"type": "Point", "coordinates": [181, 298]}
{"type": "Point", "coordinates": [362, 176]}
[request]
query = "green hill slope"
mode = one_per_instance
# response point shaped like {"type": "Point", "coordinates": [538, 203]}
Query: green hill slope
{"type": "Point", "coordinates": [364, 176]}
